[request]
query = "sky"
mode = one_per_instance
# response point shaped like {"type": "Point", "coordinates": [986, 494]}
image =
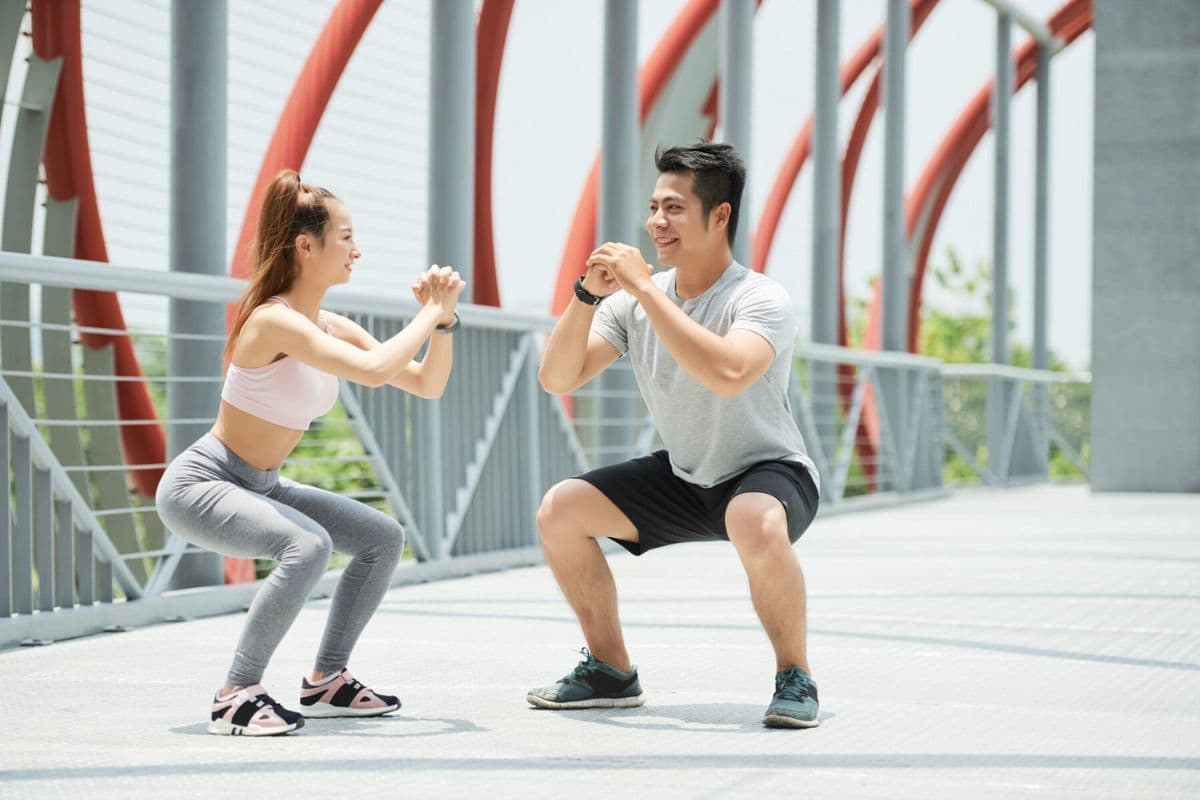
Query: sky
{"type": "Point", "coordinates": [548, 130]}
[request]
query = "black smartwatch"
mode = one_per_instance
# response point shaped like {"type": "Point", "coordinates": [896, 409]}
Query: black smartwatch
{"type": "Point", "coordinates": [584, 295]}
{"type": "Point", "coordinates": [452, 327]}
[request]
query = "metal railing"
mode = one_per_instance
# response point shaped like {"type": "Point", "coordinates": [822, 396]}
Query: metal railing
{"type": "Point", "coordinates": [1009, 425]}
{"type": "Point", "coordinates": [464, 474]}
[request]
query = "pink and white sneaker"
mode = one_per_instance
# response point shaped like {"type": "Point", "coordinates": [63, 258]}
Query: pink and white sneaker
{"type": "Point", "coordinates": [343, 696]}
{"type": "Point", "coordinates": [250, 711]}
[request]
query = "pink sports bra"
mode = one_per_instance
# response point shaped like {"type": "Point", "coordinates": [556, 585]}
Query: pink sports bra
{"type": "Point", "coordinates": [287, 392]}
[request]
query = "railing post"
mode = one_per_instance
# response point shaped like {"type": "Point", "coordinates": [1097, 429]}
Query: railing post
{"type": "Point", "coordinates": [618, 188]}
{"type": "Point", "coordinates": [1041, 206]}
{"type": "Point", "coordinates": [6, 562]}
{"type": "Point", "coordinates": [998, 389]}
{"type": "Point", "coordinates": [826, 221]}
{"type": "Point", "coordinates": [736, 45]}
{"type": "Point", "coordinates": [532, 434]}
{"type": "Point", "coordinates": [896, 281]}
{"type": "Point", "coordinates": [198, 136]}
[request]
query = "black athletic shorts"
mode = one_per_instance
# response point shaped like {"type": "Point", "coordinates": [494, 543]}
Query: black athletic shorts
{"type": "Point", "coordinates": [666, 509]}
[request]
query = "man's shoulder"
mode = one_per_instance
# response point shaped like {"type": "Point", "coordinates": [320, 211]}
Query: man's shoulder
{"type": "Point", "coordinates": [759, 287]}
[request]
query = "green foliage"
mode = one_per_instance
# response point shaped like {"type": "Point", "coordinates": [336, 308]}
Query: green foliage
{"type": "Point", "coordinates": [961, 334]}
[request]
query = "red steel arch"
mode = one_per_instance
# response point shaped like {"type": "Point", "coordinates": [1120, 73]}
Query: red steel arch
{"type": "Point", "coordinates": [302, 112]}
{"type": "Point", "coordinates": [942, 172]}
{"type": "Point", "coordinates": [652, 78]}
{"type": "Point", "coordinates": [68, 162]}
{"type": "Point", "coordinates": [491, 35]}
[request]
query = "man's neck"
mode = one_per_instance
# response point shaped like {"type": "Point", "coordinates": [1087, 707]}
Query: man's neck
{"type": "Point", "coordinates": [696, 277]}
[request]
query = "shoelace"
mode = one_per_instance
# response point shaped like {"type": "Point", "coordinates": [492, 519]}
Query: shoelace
{"type": "Point", "coordinates": [796, 686]}
{"type": "Point", "coordinates": [583, 668]}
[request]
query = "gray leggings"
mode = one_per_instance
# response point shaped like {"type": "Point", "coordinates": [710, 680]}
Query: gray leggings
{"type": "Point", "coordinates": [212, 498]}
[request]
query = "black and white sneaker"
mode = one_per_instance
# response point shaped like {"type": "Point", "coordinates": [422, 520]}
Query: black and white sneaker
{"type": "Point", "coordinates": [250, 711]}
{"type": "Point", "coordinates": [592, 684]}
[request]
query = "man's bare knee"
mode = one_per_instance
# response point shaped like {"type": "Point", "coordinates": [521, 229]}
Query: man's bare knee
{"type": "Point", "coordinates": [558, 516]}
{"type": "Point", "coordinates": [756, 523]}
{"type": "Point", "coordinates": [575, 509]}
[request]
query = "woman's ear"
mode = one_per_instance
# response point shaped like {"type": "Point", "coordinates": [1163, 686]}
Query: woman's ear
{"type": "Point", "coordinates": [303, 246]}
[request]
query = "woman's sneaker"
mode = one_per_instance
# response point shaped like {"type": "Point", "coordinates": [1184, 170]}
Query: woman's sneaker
{"type": "Point", "coordinates": [795, 703]}
{"type": "Point", "coordinates": [592, 684]}
{"type": "Point", "coordinates": [343, 696]}
{"type": "Point", "coordinates": [250, 711]}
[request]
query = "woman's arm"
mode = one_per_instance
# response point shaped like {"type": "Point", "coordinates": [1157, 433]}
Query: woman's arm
{"type": "Point", "coordinates": [425, 378]}
{"type": "Point", "coordinates": [274, 329]}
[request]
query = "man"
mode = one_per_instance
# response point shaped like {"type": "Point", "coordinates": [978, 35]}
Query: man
{"type": "Point", "coordinates": [711, 347]}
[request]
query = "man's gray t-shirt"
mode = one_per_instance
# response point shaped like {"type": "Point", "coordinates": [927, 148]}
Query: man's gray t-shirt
{"type": "Point", "coordinates": [710, 439]}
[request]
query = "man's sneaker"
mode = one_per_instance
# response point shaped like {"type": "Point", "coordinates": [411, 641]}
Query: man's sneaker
{"type": "Point", "coordinates": [592, 684]}
{"type": "Point", "coordinates": [250, 711]}
{"type": "Point", "coordinates": [795, 703]}
{"type": "Point", "coordinates": [343, 696]}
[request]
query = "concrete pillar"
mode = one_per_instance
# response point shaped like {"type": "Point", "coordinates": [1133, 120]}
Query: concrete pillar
{"type": "Point", "coordinates": [1146, 279]}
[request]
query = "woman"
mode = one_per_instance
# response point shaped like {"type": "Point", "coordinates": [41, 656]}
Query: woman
{"type": "Point", "coordinates": [224, 492]}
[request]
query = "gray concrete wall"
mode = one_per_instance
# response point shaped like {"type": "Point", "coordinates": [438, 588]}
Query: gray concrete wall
{"type": "Point", "coordinates": [1146, 287]}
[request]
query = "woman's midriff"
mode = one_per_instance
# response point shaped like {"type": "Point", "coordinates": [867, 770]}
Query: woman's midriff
{"type": "Point", "coordinates": [261, 444]}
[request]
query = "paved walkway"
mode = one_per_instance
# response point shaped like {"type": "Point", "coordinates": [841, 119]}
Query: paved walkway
{"type": "Point", "coordinates": [1039, 642]}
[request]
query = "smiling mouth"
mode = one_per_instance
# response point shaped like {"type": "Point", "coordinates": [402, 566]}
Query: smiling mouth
{"type": "Point", "coordinates": [665, 241]}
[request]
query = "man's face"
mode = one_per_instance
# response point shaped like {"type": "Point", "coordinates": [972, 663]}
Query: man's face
{"type": "Point", "coordinates": [678, 225]}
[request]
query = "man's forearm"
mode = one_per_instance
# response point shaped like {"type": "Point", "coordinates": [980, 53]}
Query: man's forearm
{"type": "Point", "coordinates": [566, 349]}
{"type": "Point", "coordinates": [701, 353]}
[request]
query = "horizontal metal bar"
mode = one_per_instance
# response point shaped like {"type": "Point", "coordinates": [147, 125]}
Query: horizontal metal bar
{"type": "Point", "coordinates": [113, 467]}
{"type": "Point", "coordinates": [73, 273]}
{"type": "Point", "coordinates": [112, 423]}
{"type": "Point", "coordinates": [875, 358]}
{"type": "Point", "coordinates": [76, 376]}
{"type": "Point", "coordinates": [72, 328]}
{"type": "Point", "coordinates": [1015, 373]}
{"type": "Point", "coordinates": [188, 548]}
{"type": "Point", "coordinates": [329, 460]}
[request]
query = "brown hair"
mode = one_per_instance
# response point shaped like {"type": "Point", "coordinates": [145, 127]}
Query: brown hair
{"type": "Point", "coordinates": [289, 208]}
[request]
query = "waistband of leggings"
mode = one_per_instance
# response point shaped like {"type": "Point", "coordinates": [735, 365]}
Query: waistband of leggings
{"type": "Point", "coordinates": [213, 447]}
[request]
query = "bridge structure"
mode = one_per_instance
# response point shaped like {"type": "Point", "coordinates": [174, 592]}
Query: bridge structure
{"type": "Point", "coordinates": [1007, 606]}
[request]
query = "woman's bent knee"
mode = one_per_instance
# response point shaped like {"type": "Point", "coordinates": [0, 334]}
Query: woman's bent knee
{"type": "Point", "coordinates": [390, 540]}
{"type": "Point", "coordinates": [308, 547]}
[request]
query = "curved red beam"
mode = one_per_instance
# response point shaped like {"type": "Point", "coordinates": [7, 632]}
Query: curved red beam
{"type": "Point", "coordinates": [489, 56]}
{"type": "Point", "coordinates": [68, 164]}
{"type": "Point", "coordinates": [652, 78]}
{"type": "Point", "coordinates": [302, 113]}
{"type": "Point", "coordinates": [956, 148]}
{"type": "Point", "coordinates": [785, 179]}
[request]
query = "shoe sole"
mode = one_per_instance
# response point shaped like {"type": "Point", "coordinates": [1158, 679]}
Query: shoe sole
{"type": "Point", "coordinates": [326, 711]}
{"type": "Point", "coordinates": [222, 728]}
{"type": "Point", "coordinates": [595, 702]}
{"type": "Point", "coordinates": [781, 721]}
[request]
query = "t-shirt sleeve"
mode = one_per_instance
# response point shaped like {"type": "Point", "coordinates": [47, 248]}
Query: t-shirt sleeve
{"type": "Point", "coordinates": [611, 318]}
{"type": "Point", "coordinates": [766, 309]}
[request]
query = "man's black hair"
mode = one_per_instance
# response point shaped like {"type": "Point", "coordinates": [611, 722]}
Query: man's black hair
{"type": "Point", "coordinates": [718, 175]}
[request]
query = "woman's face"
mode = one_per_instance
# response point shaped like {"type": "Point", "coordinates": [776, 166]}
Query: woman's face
{"type": "Point", "coordinates": [333, 258]}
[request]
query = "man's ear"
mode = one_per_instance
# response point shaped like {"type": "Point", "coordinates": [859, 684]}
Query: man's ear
{"type": "Point", "coordinates": [721, 214]}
